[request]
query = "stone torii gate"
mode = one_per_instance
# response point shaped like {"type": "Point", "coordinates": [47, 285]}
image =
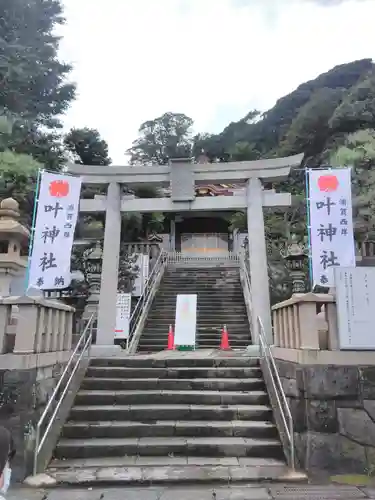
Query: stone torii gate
{"type": "Point", "coordinates": [181, 177]}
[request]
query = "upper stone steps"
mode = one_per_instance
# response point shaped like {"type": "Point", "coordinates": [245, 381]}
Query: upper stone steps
{"type": "Point", "coordinates": [205, 307]}
{"type": "Point", "coordinates": [220, 301]}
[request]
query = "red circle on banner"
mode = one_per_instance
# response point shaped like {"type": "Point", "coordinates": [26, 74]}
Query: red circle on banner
{"type": "Point", "coordinates": [328, 183]}
{"type": "Point", "coordinates": [59, 189]}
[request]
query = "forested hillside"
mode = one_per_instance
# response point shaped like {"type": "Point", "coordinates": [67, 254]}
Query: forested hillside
{"type": "Point", "coordinates": [330, 119]}
{"type": "Point", "coordinates": [327, 118]}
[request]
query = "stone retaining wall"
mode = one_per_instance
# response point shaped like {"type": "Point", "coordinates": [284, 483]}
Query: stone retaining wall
{"type": "Point", "coordinates": [23, 396]}
{"type": "Point", "coordinates": [333, 409]}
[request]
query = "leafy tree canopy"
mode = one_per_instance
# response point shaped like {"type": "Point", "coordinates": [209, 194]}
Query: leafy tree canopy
{"type": "Point", "coordinates": [87, 147]}
{"type": "Point", "coordinates": [357, 110]}
{"type": "Point", "coordinates": [358, 152]}
{"type": "Point", "coordinates": [165, 137]}
{"type": "Point", "coordinates": [34, 83]}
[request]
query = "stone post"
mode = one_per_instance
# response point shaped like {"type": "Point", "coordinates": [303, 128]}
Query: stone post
{"type": "Point", "coordinates": [110, 267]}
{"type": "Point", "coordinates": [172, 240]}
{"type": "Point", "coordinates": [258, 259]}
{"type": "Point", "coordinates": [94, 272]}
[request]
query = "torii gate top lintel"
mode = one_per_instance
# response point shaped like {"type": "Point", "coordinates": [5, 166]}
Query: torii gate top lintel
{"type": "Point", "coordinates": [272, 169]}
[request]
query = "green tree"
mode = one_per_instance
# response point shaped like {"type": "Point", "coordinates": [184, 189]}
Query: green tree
{"type": "Point", "coordinates": [244, 151]}
{"type": "Point", "coordinates": [18, 172]}
{"type": "Point", "coordinates": [165, 137]}
{"type": "Point", "coordinates": [34, 83]}
{"type": "Point", "coordinates": [45, 146]}
{"type": "Point", "coordinates": [359, 153]}
{"type": "Point", "coordinates": [87, 147]}
{"type": "Point", "coordinates": [357, 111]}
{"type": "Point", "coordinates": [34, 86]}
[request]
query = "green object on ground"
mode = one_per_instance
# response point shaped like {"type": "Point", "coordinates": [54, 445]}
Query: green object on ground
{"type": "Point", "coordinates": [185, 348]}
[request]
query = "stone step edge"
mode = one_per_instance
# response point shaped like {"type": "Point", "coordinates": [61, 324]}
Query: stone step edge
{"type": "Point", "coordinates": [170, 474]}
{"type": "Point", "coordinates": [171, 367]}
{"type": "Point", "coordinates": [250, 380]}
{"type": "Point", "coordinates": [247, 442]}
{"type": "Point", "coordinates": [169, 392]}
{"type": "Point", "coordinates": [192, 407]}
{"type": "Point", "coordinates": [254, 424]}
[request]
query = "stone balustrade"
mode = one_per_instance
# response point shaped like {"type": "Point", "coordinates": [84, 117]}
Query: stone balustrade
{"type": "Point", "coordinates": [306, 321]}
{"type": "Point", "coordinates": [365, 248]}
{"type": "Point", "coordinates": [33, 325]}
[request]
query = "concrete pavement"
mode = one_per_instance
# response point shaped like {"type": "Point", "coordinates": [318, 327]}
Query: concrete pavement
{"type": "Point", "coordinates": [243, 492]}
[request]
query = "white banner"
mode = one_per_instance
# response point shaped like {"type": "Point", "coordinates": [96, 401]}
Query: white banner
{"type": "Point", "coordinates": [186, 320]}
{"type": "Point", "coordinates": [57, 212]}
{"type": "Point", "coordinates": [331, 223]}
{"type": "Point", "coordinates": [123, 308]}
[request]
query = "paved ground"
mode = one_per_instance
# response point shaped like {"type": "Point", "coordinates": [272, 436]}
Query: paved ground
{"type": "Point", "coordinates": [243, 492]}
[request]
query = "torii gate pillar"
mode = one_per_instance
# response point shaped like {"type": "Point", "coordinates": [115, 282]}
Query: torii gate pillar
{"type": "Point", "coordinates": [110, 267]}
{"type": "Point", "coordinates": [258, 260]}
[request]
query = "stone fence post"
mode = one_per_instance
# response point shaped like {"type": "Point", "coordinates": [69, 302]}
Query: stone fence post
{"type": "Point", "coordinates": [306, 321]}
{"type": "Point", "coordinates": [32, 325]}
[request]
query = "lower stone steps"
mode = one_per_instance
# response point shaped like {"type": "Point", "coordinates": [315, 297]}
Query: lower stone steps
{"type": "Point", "coordinates": [149, 471]}
{"type": "Point", "coordinates": [121, 397]}
{"type": "Point", "coordinates": [152, 413]}
{"type": "Point", "coordinates": [186, 372]}
{"type": "Point", "coordinates": [176, 446]}
{"type": "Point", "coordinates": [170, 428]}
{"type": "Point", "coordinates": [170, 419]}
{"type": "Point", "coordinates": [196, 384]}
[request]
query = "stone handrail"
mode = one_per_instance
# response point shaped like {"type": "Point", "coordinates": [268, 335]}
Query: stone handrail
{"type": "Point", "coordinates": [32, 325]}
{"type": "Point", "coordinates": [306, 321]}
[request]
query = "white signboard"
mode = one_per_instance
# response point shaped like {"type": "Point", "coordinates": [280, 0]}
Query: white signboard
{"type": "Point", "coordinates": [57, 212]}
{"type": "Point", "coordinates": [331, 223]}
{"type": "Point", "coordinates": [186, 320]}
{"type": "Point", "coordinates": [355, 296]}
{"type": "Point", "coordinates": [123, 309]}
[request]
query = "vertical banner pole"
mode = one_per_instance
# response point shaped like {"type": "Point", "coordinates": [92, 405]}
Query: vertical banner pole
{"type": "Point", "coordinates": [307, 187]}
{"type": "Point", "coordinates": [31, 242]}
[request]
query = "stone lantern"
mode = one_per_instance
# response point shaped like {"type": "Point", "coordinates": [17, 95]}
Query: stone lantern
{"type": "Point", "coordinates": [13, 236]}
{"type": "Point", "coordinates": [296, 254]}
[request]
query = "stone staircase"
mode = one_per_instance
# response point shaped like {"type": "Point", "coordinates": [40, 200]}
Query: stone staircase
{"type": "Point", "coordinates": [146, 419]}
{"type": "Point", "coordinates": [220, 301]}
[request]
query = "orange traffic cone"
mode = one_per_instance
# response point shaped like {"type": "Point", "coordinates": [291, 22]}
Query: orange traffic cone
{"type": "Point", "coordinates": [224, 339]}
{"type": "Point", "coordinates": [170, 339]}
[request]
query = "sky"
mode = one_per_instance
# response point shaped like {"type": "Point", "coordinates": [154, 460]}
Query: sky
{"type": "Point", "coordinates": [213, 60]}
